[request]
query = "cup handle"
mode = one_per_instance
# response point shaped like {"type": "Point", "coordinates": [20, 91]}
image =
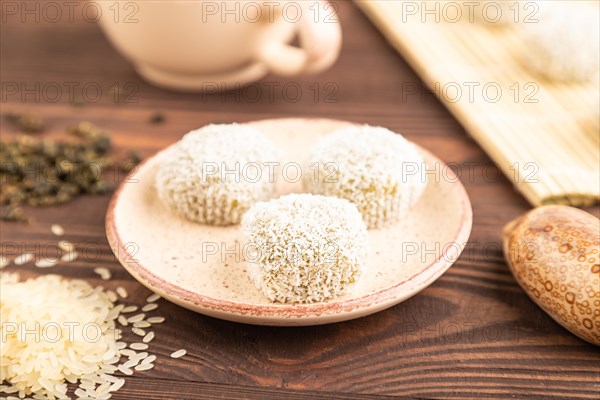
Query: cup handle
{"type": "Point", "coordinates": [320, 43]}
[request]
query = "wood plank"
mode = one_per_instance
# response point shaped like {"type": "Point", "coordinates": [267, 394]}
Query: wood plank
{"type": "Point", "coordinates": [136, 388]}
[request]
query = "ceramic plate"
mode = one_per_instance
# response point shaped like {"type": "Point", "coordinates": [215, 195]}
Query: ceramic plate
{"type": "Point", "coordinates": [202, 267]}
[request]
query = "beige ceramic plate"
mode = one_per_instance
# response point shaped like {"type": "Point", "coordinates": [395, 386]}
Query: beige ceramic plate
{"type": "Point", "coordinates": [201, 267]}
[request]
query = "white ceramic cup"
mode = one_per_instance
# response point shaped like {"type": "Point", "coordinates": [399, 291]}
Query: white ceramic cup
{"type": "Point", "coordinates": [193, 45]}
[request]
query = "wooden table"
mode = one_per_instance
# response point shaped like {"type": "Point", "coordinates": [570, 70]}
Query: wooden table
{"type": "Point", "coordinates": [473, 334]}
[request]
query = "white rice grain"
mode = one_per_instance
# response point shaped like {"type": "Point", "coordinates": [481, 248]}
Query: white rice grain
{"type": "Point", "coordinates": [117, 385]}
{"type": "Point", "coordinates": [148, 360]}
{"type": "Point", "coordinates": [103, 272]}
{"type": "Point", "coordinates": [103, 388]}
{"type": "Point", "coordinates": [144, 367]}
{"type": "Point", "coordinates": [150, 307]}
{"type": "Point", "coordinates": [112, 296]}
{"type": "Point", "coordinates": [124, 370]}
{"type": "Point", "coordinates": [139, 356]}
{"type": "Point", "coordinates": [136, 318]}
{"type": "Point", "coordinates": [66, 246]}
{"type": "Point", "coordinates": [23, 258]}
{"type": "Point", "coordinates": [128, 353]}
{"type": "Point", "coordinates": [4, 262]}
{"type": "Point", "coordinates": [108, 363]}
{"type": "Point", "coordinates": [142, 324]}
{"type": "Point", "coordinates": [179, 353]}
{"type": "Point", "coordinates": [131, 363]}
{"type": "Point", "coordinates": [148, 338]}
{"type": "Point", "coordinates": [46, 262]}
{"type": "Point", "coordinates": [114, 313]}
{"type": "Point", "coordinates": [152, 298]}
{"type": "Point", "coordinates": [110, 378]}
{"type": "Point", "coordinates": [138, 331]}
{"type": "Point", "coordinates": [120, 345]}
{"type": "Point", "coordinates": [70, 256]}
{"type": "Point", "coordinates": [121, 291]}
{"type": "Point", "coordinates": [109, 355]}
{"type": "Point", "coordinates": [57, 230]}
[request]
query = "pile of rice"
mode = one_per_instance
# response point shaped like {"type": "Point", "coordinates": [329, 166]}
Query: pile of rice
{"type": "Point", "coordinates": [216, 173]}
{"type": "Point", "coordinates": [57, 331]}
{"type": "Point", "coordinates": [372, 167]}
{"type": "Point", "coordinates": [305, 248]}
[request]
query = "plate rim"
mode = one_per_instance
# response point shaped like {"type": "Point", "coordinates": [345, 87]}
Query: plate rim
{"type": "Point", "coordinates": [291, 312]}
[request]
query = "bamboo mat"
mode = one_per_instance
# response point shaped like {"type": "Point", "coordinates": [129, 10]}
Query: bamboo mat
{"type": "Point", "coordinates": [543, 136]}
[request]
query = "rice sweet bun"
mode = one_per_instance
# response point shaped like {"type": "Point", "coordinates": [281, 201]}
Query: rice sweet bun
{"type": "Point", "coordinates": [564, 44]}
{"type": "Point", "coordinates": [216, 173]}
{"type": "Point", "coordinates": [305, 248]}
{"type": "Point", "coordinates": [372, 167]}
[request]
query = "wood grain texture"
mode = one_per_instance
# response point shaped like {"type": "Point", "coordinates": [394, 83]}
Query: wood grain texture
{"type": "Point", "coordinates": [472, 334]}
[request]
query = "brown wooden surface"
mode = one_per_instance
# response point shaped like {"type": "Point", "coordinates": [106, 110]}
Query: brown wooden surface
{"type": "Point", "coordinates": [473, 334]}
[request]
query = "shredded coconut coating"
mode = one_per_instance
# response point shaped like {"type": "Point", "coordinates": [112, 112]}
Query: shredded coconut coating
{"type": "Point", "coordinates": [565, 44]}
{"type": "Point", "coordinates": [216, 173]}
{"type": "Point", "coordinates": [305, 248]}
{"type": "Point", "coordinates": [373, 167]}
